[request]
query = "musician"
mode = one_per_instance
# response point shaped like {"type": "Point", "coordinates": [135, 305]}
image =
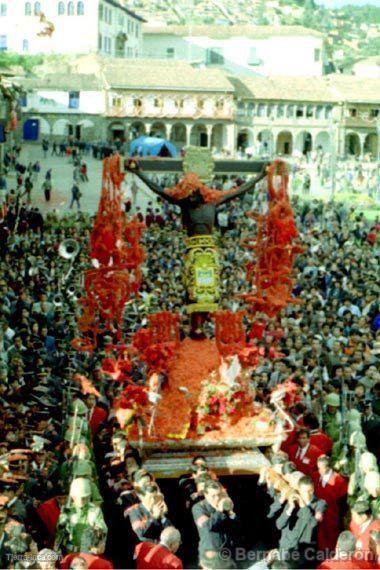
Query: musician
{"type": "Point", "coordinates": [303, 454]}
{"type": "Point", "coordinates": [332, 488]}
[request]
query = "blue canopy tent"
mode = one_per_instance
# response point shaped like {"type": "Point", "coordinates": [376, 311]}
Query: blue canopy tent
{"type": "Point", "coordinates": [152, 146]}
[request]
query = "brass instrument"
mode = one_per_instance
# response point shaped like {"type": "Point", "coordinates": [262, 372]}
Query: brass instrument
{"type": "Point", "coordinates": [69, 250]}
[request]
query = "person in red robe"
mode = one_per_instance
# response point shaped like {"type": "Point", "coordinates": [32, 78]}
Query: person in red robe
{"type": "Point", "coordinates": [318, 438]}
{"type": "Point", "coordinates": [332, 488]}
{"type": "Point", "coordinates": [362, 525]}
{"type": "Point", "coordinates": [344, 557]}
{"type": "Point", "coordinates": [303, 454]}
{"type": "Point", "coordinates": [162, 555]}
{"type": "Point", "coordinates": [49, 512]}
{"type": "Point", "coordinates": [92, 560]}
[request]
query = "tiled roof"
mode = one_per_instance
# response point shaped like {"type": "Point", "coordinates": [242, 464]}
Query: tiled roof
{"type": "Point", "coordinates": [163, 74]}
{"type": "Point", "coordinates": [64, 82]}
{"type": "Point", "coordinates": [329, 88]}
{"type": "Point", "coordinates": [224, 31]}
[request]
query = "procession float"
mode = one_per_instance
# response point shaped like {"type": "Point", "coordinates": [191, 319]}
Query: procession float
{"type": "Point", "coordinates": [197, 395]}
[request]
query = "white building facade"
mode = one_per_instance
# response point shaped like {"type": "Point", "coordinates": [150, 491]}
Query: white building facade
{"type": "Point", "coordinates": [205, 107]}
{"type": "Point", "coordinates": [70, 27]}
{"type": "Point", "coordinates": [265, 50]}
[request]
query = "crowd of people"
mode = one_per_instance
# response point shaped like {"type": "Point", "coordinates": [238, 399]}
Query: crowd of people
{"type": "Point", "coordinates": [74, 493]}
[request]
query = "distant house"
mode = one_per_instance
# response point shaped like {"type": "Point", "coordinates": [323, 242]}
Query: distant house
{"type": "Point", "coordinates": [264, 50]}
{"type": "Point", "coordinates": [369, 67]}
{"type": "Point", "coordinates": [70, 27]}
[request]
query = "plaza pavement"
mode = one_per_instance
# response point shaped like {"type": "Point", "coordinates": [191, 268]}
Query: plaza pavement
{"type": "Point", "coordinates": [62, 182]}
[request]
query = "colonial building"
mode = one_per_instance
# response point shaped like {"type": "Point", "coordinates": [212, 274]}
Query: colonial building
{"type": "Point", "coordinates": [70, 27]}
{"type": "Point", "coordinates": [205, 107]}
{"type": "Point", "coordinates": [334, 112]}
{"type": "Point", "coordinates": [266, 50]}
{"type": "Point", "coordinates": [169, 99]}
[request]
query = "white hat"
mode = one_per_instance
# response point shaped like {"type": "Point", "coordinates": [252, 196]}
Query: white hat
{"type": "Point", "coordinates": [368, 462]}
{"type": "Point", "coordinates": [80, 487]}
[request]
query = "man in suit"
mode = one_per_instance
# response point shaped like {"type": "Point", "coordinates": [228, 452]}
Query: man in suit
{"type": "Point", "coordinates": [299, 526]}
{"type": "Point", "coordinates": [214, 518]}
{"type": "Point", "coordinates": [149, 518]}
{"type": "Point", "coordinates": [303, 454]}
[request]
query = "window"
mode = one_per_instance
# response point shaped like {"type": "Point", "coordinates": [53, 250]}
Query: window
{"type": "Point", "coordinates": [61, 8]}
{"type": "Point", "coordinates": [215, 56]}
{"type": "Point", "coordinates": [25, 45]}
{"type": "Point", "coordinates": [299, 111]}
{"type": "Point", "coordinates": [28, 9]}
{"type": "Point", "coordinates": [107, 45]}
{"type": "Point", "coordinates": [117, 102]}
{"type": "Point", "coordinates": [170, 53]}
{"type": "Point", "coordinates": [137, 103]}
{"type": "Point", "coordinates": [241, 108]}
{"type": "Point", "coordinates": [280, 111]}
{"type": "Point", "coordinates": [309, 111]}
{"type": "Point", "coordinates": [261, 110]}
{"type": "Point", "coordinates": [317, 54]}
{"type": "Point", "coordinates": [3, 9]}
{"type": "Point", "coordinates": [270, 110]}
{"type": "Point", "coordinates": [290, 111]}
{"type": "Point", "coordinates": [328, 112]}
{"type": "Point", "coordinates": [109, 16]}
{"type": "Point", "coordinates": [74, 100]}
{"type": "Point", "coordinates": [100, 41]}
{"type": "Point", "coordinates": [37, 8]}
{"type": "Point", "coordinates": [3, 43]}
{"type": "Point", "coordinates": [121, 20]}
{"type": "Point", "coordinates": [319, 112]}
{"type": "Point", "coordinates": [251, 109]}
{"type": "Point", "coordinates": [252, 56]}
{"type": "Point", "coordinates": [70, 130]}
{"type": "Point", "coordinates": [24, 101]}
{"type": "Point", "coordinates": [374, 113]}
{"type": "Point", "coordinates": [70, 9]}
{"type": "Point", "coordinates": [219, 105]}
{"type": "Point", "coordinates": [137, 30]}
{"type": "Point", "coordinates": [80, 9]}
{"type": "Point", "coordinates": [101, 11]}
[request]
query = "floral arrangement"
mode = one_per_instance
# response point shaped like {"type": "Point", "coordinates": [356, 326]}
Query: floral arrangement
{"type": "Point", "coordinates": [118, 369]}
{"type": "Point", "coordinates": [222, 403]}
{"type": "Point", "coordinates": [132, 397]}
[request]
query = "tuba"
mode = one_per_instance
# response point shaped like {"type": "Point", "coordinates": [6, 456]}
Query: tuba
{"type": "Point", "coordinates": [58, 300]}
{"type": "Point", "coordinates": [68, 250]}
